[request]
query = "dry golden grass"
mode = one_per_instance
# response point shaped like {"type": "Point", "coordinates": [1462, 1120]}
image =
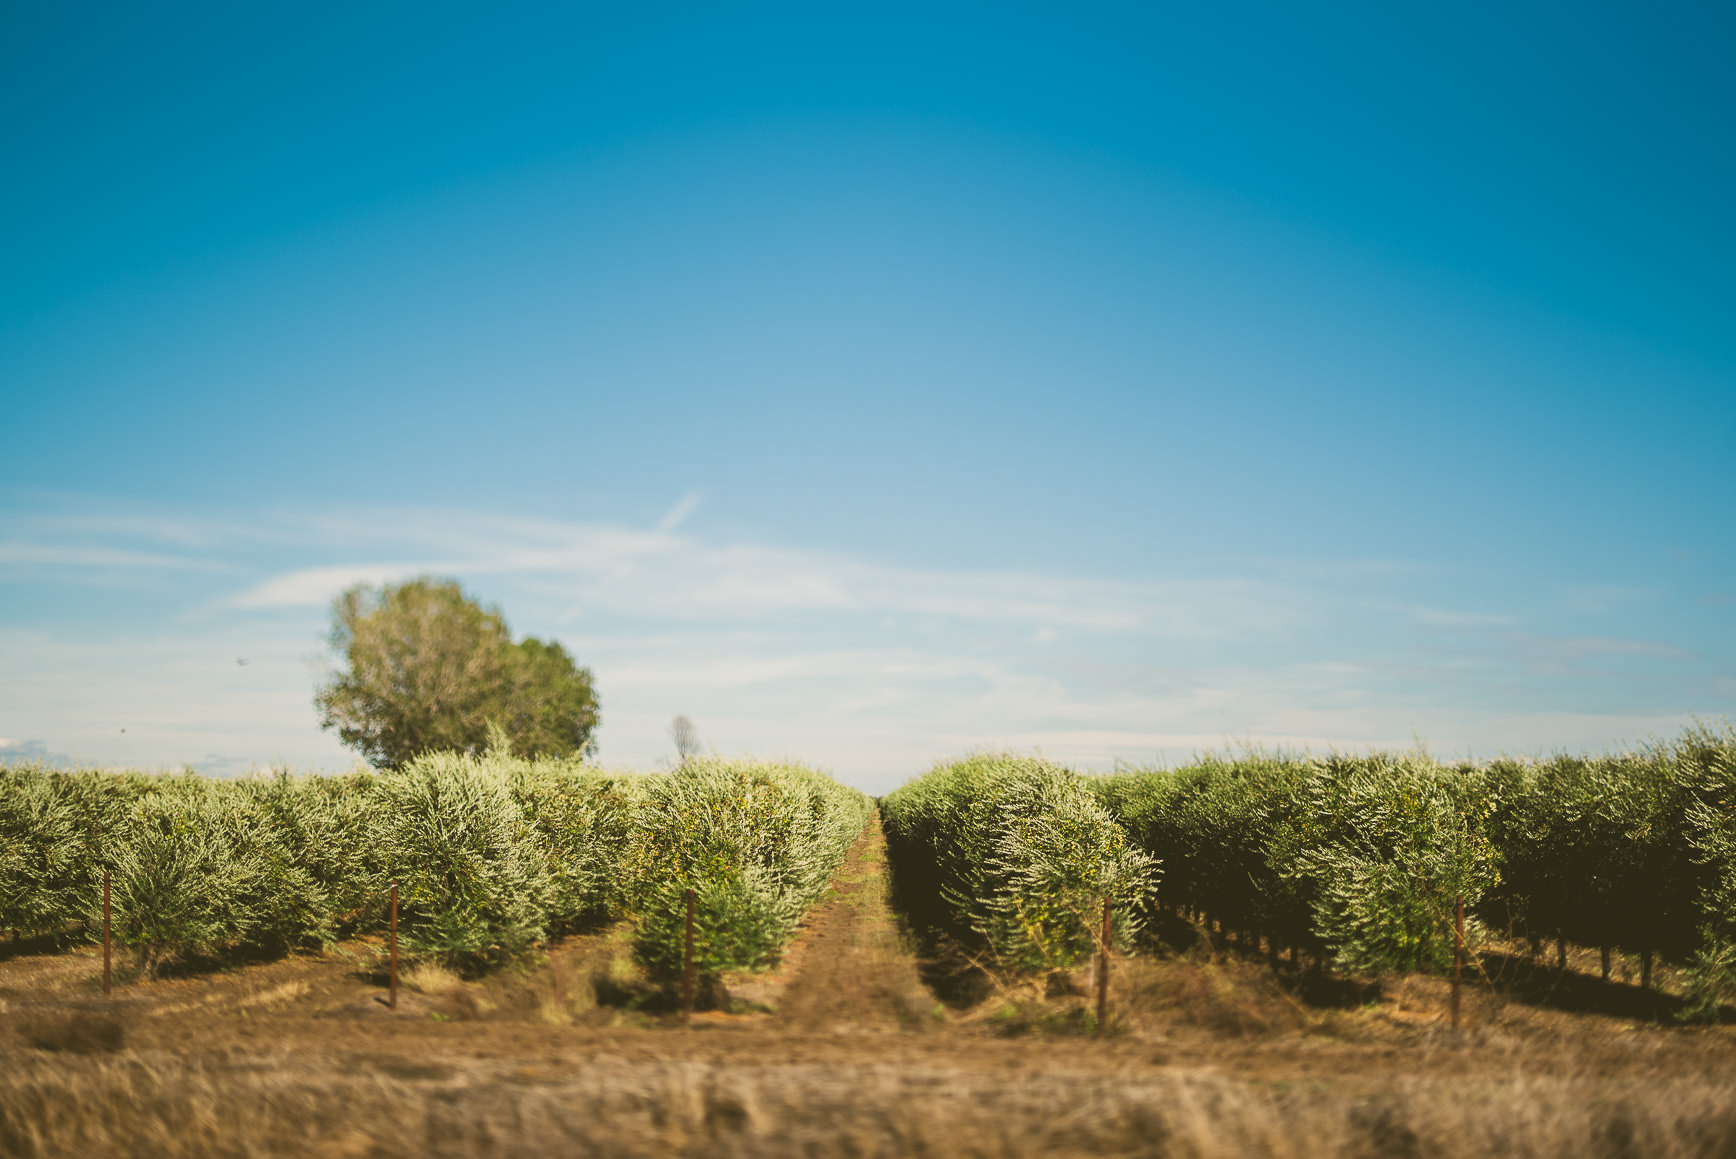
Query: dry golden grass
{"type": "Point", "coordinates": [54, 1105]}
{"type": "Point", "coordinates": [428, 978]}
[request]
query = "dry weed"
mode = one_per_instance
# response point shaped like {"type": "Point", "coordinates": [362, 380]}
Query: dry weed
{"type": "Point", "coordinates": [431, 979]}
{"type": "Point", "coordinates": [76, 1032]}
{"type": "Point", "coordinates": [164, 1108]}
{"type": "Point", "coordinates": [1228, 997]}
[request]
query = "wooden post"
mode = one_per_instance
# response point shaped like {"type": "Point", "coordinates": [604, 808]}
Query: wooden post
{"type": "Point", "coordinates": [1604, 950]}
{"type": "Point", "coordinates": [105, 933]}
{"type": "Point", "coordinates": [1103, 972]}
{"type": "Point", "coordinates": [1646, 968]}
{"type": "Point", "coordinates": [392, 961]}
{"type": "Point", "coordinates": [687, 979]}
{"type": "Point", "coordinates": [1561, 951]}
{"type": "Point", "coordinates": [1458, 952]}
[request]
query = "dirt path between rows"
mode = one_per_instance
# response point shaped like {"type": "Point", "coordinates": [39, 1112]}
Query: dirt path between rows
{"type": "Point", "coordinates": [848, 968]}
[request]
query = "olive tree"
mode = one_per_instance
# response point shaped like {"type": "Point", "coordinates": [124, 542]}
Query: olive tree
{"type": "Point", "coordinates": [428, 669]}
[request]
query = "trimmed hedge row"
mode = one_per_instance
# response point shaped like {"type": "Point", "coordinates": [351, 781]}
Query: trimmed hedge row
{"type": "Point", "coordinates": [1360, 857]}
{"type": "Point", "coordinates": [1357, 858]}
{"type": "Point", "coordinates": [1014, 857]}
{"type": "Point", "coordinates": [492, 855]}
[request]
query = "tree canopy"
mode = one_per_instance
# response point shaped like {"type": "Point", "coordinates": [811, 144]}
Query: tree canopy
{"type": "Point", "coordinates": [430, 669]}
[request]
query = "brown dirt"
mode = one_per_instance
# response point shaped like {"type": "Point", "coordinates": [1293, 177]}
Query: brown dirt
{"type": "Point", "coordinates": [849, 969]}
{"type": "Point", "coordinates": [839, 1051]}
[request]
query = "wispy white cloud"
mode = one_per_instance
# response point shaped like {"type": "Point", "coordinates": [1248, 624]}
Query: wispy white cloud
{"type": "Point", "coordinates": [1602, 600]}
{"type": "Point", "coordinates": [79, 557]}
{"type": "Point", "coordinates": [665, 576]}
{"type": "Point", "coordinates": [677, 515]}
{"type": "Point", "coordinates": [1444, 618]}
{"type": "Point", "coordinates": [1566, 654]}
{"type": "Point", "coordinates": [315, 586]}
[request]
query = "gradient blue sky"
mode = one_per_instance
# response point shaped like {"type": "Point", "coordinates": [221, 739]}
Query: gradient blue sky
{"type": "Point", "coordinates": [871, 384]}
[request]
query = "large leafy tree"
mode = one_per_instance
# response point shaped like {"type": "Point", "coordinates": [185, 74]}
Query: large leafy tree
{"type": "Point", "coordinates": [429, 669]}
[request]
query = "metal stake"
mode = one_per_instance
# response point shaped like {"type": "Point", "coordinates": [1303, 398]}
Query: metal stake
{"type": "Point", "coordinates": [105, 934]}
{"type": "Point", "coordinates": [1103, 973]}
{"type": "Point", "coordinates": [687, 964]}
{"type": "Point", "coordinates": [1458, 952]}
{"type": "Point", "coordinates": [392, 969]}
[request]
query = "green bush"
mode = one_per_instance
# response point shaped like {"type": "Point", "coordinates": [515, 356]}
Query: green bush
{"type": "Point", "coordinates": [472, 886]}
{"type": "Point", "coordinates": [757, 842]}
{"type": "Point", "coordinates": [55, 829]}
{"type": "Point", "coordinates": [492, 855]}
{"type": "Point", "coordinates": [1360, 858]}
{"type": "Point", "coordinates": [1014, 856]}
{"type": "Point", "coordinates": [1387, 845]}
{"type": "Point", "coordinates": [1215, 825]}
{"type": "Point", "coordinates": [1596, 850]}
{"type": "Point", "coordinates": [582, 821]}
{"type": "Point", "coordinates": [174, 880]}
{"type": "Point", "coordinates": [1708, 760]}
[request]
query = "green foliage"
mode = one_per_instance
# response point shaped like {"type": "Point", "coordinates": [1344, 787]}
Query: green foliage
{"type": "Point", "coordinates": [1358, 857]}
{"type": "Point", "coordinates": [1387, 844]}
{"type": "Point", "coordinates": [737, 925]}
{"type": "Point", "coordinates": [1711, 980]}
{"type": "Point", "coordinates": [580, 822]}
{"type": "Point", "coordinates": [429, 670]}
{"type": "Point", "coordinates": [1016, 856]}
{"type": "Point", "coordinates": [1707, 758]}
{"type": "Point", "coordinates": [54, 830]}
{"type": "Point", "coordinates": [1216, 825]}
{"type": "Point", "coordinates": [1597, 849]}
{"type": "Point", "coordinates": [175, 887]}
{"type": "Point", "coordinates": [492, 854]}
{"type": "Point", "coordinates": [758, 842]}
{"type": "Point", "coordinates": [472, 887]}
{"type": "Point", "coordinates": [1361, 857]}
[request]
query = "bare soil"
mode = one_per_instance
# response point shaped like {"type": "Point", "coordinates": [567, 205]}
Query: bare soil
{"type": "Point", "coordinates": [841, 1050]}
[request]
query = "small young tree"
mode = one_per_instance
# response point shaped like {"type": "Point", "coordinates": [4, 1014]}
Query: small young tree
{"type": "Point", "coordinates": [429, 669]}
{"type": "Point", "coordinates": [686, 738]}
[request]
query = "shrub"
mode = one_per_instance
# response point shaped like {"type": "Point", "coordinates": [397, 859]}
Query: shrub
{"type": "Point", "coordinates": [582, 822]}
{"type": "Point", "coordinates": [1215, 825]}
{"type": "Point", "coordinates": [1014, 856]}
{"type": "Point", "coordinates": [1708, 758]}
{"type": "Point", "coordinates": [757, 842]}
{"type": "Point", "coordinates": [174, 881]}
{"type": "Point", "coordinates": [471, 885]}
{"type": "Point", "coordinates": [54, 830]}
{"type": "Point", "coordinates": [1358, 857]}
{"type": "Point", "coordinates": [1596, 850]}
{"type": "Point", "coordinates": [1387, 845]}
{"type": "Point", "coordinates": [492, 855]}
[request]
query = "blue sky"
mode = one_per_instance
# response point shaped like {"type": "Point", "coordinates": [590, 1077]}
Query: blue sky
{"type": "Point", "coordinates": [874, 384]}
